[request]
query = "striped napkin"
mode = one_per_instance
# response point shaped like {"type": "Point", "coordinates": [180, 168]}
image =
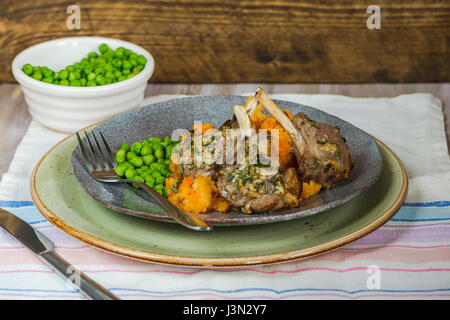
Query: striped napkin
{"type": "Point", "coordinates": [408, 257]}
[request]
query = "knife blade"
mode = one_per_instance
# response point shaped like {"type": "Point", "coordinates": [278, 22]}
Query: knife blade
{"type": "Point", "coordinates": [39, 244]}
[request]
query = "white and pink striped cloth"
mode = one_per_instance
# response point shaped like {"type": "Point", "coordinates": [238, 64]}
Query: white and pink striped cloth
{"type": "Point", "coordinates": [408, 257]}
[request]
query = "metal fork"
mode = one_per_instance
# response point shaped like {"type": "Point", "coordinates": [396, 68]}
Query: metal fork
{"type": "Point", "coordinates": [100, 161]}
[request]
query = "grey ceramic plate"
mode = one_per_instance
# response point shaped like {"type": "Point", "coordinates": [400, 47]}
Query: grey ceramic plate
{"type": "Point", "coordinates": [160, 119]}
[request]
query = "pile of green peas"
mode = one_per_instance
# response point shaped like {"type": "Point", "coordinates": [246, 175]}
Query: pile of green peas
{"type": "Point", "coordinates": [108, 67]}
{"type": "Point", "coordinates": [147, 161]}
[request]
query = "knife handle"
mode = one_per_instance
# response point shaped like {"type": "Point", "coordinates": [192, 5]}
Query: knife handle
{"type": "Point", "coordinates": [88, 286]}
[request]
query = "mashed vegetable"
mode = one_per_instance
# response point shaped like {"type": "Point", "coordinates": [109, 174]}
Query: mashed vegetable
{"type": "Point", "coordinates": [195, 195]}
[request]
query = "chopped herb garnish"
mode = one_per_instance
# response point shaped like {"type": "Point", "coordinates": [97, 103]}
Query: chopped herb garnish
{"type": "Point", "coordinates": [263, 165]}
{"type": "Point", "coordinates": [266, 186]}
{"type": "Point", "coordinates": [321, 142]}
{"type": "Point", "coordinates": [230, 177]}
{"type": "Point", "coordinates": [339, 154]}
{"type": "Point", "coordinates": [175, 189]}
{"type": "Point", "coordinates": [316, 126]}
{"type": "Point", "coordinates": [238, 184]}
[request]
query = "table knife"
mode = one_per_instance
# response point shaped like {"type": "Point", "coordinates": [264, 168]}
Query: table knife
{"type": "Point", "coordinates": [43, 248]}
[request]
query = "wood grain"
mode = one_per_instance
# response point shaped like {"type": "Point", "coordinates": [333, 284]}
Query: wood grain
{"type": "Point", "coordinates": [276, 41]}
{"type": "Point", "coordinates": [14, 116]}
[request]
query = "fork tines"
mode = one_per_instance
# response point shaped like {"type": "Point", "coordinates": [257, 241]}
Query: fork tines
{"type": "Point", "coordinates": [96, 156]}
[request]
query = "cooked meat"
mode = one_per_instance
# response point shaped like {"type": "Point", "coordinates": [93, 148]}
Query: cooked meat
{"type": "Point", "coordinates": [251, 187]}
{"type": "Point", "coordinates": [206, 165]}
{"type": "Point", "coordinates": [321, 152]}
{"type": "Point", "coordinates": [326, 158]}
{"type": "Point", "coordinates": [292, 182]}
{"type": "Point", "coordinates": [253, 191]}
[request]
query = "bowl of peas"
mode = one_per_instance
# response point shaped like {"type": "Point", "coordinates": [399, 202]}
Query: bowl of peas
{"type": "Point", "coordinates": [71, 83]}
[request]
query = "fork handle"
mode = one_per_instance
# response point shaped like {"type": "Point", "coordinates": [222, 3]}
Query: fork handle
{"type": "Point", "coordinates": [177, 214]}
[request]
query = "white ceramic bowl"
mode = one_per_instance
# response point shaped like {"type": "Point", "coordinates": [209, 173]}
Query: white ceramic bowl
{"type": "Point", "coordinates": [69, 109]}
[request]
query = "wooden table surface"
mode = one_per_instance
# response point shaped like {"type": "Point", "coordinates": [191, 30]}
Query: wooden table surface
{"type": "Point", "coordinates": [14, 116]}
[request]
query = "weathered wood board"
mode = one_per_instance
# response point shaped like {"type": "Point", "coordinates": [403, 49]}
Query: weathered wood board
{"type": "Point", "coordinates": [282, 41]}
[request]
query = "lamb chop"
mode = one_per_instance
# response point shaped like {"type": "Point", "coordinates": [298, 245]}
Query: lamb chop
{"type": "Point", "coordinates": [209, 168]}
{"type": "Point", "coordinates": [249, 187]}
{"type": "Point", "coordinates": [321, 152]}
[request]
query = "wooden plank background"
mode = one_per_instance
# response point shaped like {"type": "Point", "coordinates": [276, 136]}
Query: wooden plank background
{"type": "Point", "coordinates": [283, 41]}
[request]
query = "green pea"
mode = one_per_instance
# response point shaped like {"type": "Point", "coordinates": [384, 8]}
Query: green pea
{"type": "Point", "coordinates": [92, 54]}
{"type": "Point", "coordinates": [121, 155]}
{"type": "Point", "coordinates": [47, 72]}
{"type": "Point", "coordinates": [100, 80]}
{"type": "Point", "coordinates": [160, 180]}
{"type": "Point", "coordinates": [108, 67]}
{"type": "Point", "coordinates": [146, 149]}
{"type": "Point", "coordinates": [130, 173]}
{"type": "Point", "coordinates": [109, 75]}
{"type": "Point", "coordinates": [167, 162]}
{"type": "Point", "coordinates": [120, 169]}
{"type": "Point", "coordinates": [154, 166]}
{"type": "Point", "coordinates": [125, 147]}
{"type": "Point", "coordinates": [133, 62]}
{"type": "Point", "coordinates": [156, 174]}
{"type": "Point", "coordinates": [88, 70]}
{"type": "Point", "coordinates": [64, 82]}
{"type": "Point", "coordinates": [91, 83]}
{"type": "Point", "coordinates": [122, 78]}
{"type": "Point", "coordinates": [83, 82]}
{"type": "Point", "coordinates": [138, 178]}
{"type": "Point", "coordinates": [127, 52]}
{"type": "Point", "coordinates": [103, 48]}
{"type": "Point", "coordinates": [168, 151]}
{"type": "Point", "coordinates": [138, 68]}
{"type": "Point", "coordinates": [144, 174]}
{"type": "Point", "coordinates": [125, 72]}
{"type": "Point", "coordinates": [55, 81]}
{"type": "Point", "coordinates": [149, 159]}
{"type": "Point", "coordinates": [144, 168]}
{"type": "Point", "coordinates": [155, 139]}
{"type": "Point", "coordinates": [128, 164]}
{"type": "Point", "coordinates": [131, 155]}
{"type": "Point", "coordinates": [157, 145]}
{"type": "Point", "coordinates": [63, 74]}
{"type": "Point", "coordinates": [75, 83]}
{"type": "Point", "coordinates": [99, 70]}
{"type": "Point", "coordinates": [137, 162]}
{"type": "Point", "coordinates": [91, 76]}
{"type": "Point", "coordinates": [150, 181]}
{"type": "Point", "coordinates": [28, 69]}
{"type": "Point", "coordinates": [72, 76]}
{"type": "Point", "coordinates": [126, 64]}
{"type": "Point", "coordinates": [141, 59]}
{"type": "Point", "coordinates": [159, 188]}
{"type": "Point", "coordinates": [161, 163]}
{"type": "Point", "coordinates": [48, 79]}
{"type": "Point", "coordinates": [136, 147]}
{"type": "Point", "coordinates": [159, 154]}
{"type": "Point", "coordinates": [70, 68]}
{"type": "Point", "coordinates": [37, 75]}
{"type": "Point", "coordinates": [117, 63]}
